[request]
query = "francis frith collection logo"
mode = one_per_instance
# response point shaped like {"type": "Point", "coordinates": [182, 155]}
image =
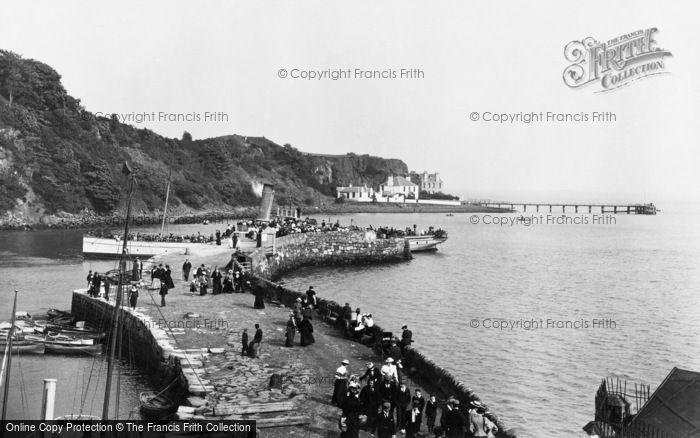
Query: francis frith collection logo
{"type": "Point", "coordinates": [614, 63]}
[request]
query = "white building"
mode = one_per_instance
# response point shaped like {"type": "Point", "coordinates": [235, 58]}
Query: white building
{"type": "Point", "coordinates": [428, 182]}
{"type": "Point", "coordinates": [398, 185]}
{"type": "Point", "coordinates": [358, 194]}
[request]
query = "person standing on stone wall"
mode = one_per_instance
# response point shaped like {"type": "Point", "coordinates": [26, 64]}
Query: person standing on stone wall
{"type": "Point", "coordinates": [406, 338]}
{"type": "Point", "coordinates": [311, 296]}
{"type": "Point", "coordinates": [186, 268]}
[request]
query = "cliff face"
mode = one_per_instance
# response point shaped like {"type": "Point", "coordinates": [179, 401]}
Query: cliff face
{"type": "Point", "coordinates": [57, 159]}
{"type": "Point", "coordinates": [344, 170]}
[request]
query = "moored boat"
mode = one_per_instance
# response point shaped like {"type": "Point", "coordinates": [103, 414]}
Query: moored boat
{"type": "Point", "coordinates": [156, 406]}
{"type": "Point", "coordinates": [428, 242]}
{"type": "Point", "coordinates": [22, 348]}
{"type": "Point", "coordinates": [72, 349]}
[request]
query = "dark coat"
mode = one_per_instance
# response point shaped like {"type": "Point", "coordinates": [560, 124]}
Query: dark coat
{"type": "Point", "coordinates": [168, 279]}
{"type": "Point", "coordinates": [352, 408]}
{"type": "Point", "coordinates": [371, 400]}
{"type": "Point", "coordinates": [373, 373]}
{"type": "Point", "coordinates": [388, 393]}
{"type": "Point", "coordinates": [403, 398]}
{"type": "Point", "coordinates": [258, 336]}
{"type": "Point", "coordinates": [306, 330]}
{"type": "Point", "coordinates": [228, 285]}
{"type": "Point", "coordinates": [406, 338]}
{"type": "Point", "coordinates": [455, 424]}
{"type": "Point", "coordinates": [386, 426]}
{"type": "Point", "coordinates": [216, 282]}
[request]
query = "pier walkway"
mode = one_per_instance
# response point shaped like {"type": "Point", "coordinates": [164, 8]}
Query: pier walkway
{"type": "Point", "coordinates": [647, 209]}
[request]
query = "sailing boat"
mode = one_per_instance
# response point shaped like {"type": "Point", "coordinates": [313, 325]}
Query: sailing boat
{"type": "Point", "coordinates": [99, 247]}
{"type": "Point", "coordinates": [121, 277]}
{"type": "Point", "coordinates": [7, 361]}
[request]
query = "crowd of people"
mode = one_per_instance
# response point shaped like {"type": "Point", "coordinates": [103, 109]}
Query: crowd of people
{"type": "Point", "coordinates": [385, 406]}
{"type": "Point", "coordinates": [389, 232]}
{"type": "Point", "coordinates": [230, 279]}
{"type": "Point", "coordinates": [156, 237]}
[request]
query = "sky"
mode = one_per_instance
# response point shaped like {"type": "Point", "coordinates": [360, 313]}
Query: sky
{"type": "Point", "coordinates": [189, 58]}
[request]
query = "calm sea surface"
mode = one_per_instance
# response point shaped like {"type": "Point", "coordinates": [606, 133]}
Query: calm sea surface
{"type": "Point", "coordinates": [641, 274]}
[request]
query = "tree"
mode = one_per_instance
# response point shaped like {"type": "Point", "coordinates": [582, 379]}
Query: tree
{"type": "Point", "coordinates": [10, 72]}
{"type": "Point", "coordinates": [186, 137]}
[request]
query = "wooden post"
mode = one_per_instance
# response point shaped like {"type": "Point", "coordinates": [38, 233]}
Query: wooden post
{"type": "Point", "coordinates": [47, 404]}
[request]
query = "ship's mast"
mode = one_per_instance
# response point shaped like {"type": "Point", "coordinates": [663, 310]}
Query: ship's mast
{"type": "Point", "coordinates": [118, 300]}
{"type": "Point", "coordinates": [8, 358]}
{"type": "Point", "coordinates": [165, 210]}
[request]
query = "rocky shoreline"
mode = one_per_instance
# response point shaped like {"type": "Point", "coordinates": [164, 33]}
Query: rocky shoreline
{"type": "Point", "coordinates": [89, 219]}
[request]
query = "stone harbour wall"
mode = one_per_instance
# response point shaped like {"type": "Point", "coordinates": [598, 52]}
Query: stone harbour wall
{"type": "Point", "coordinates": [148, 346]}
{"type": "Point", "coordinates": [328, 248]}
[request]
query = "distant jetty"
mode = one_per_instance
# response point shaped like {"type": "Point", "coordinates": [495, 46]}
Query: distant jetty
{"type": "Point", "coordinates": [645, 209]}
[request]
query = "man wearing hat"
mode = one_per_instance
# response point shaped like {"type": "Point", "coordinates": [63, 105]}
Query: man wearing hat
{"type": "Point", "coordinates": [386, 426]}
{"type": "Point", "coordinates": [403, 406]}
{"type": "Point", "coordinates": [372, 373]}
{"type": "Point", "coordinates": [406, 338]}
{"type": "Point", "coordinates": [311, 296]}
{"type": "Point", "coordinates": [371, 401]}
{"type": "Point", "coordinates": [455, 423]}
{"type": "Point", "coordinates": [340, 387]}
{"type": "Point", "coordinates": [387, 390]}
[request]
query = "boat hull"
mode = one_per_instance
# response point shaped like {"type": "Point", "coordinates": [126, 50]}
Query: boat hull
{"type": "Point", "coordinates": [98, 247]}
{"type": "Point", "coordinates": [24, 348]}
{"type": "Point", "coordinates": [424, 243]}
{"type": "Point", "coordinates": [156, 407]}
{"type": "Point", "coordinates": [73, 349]}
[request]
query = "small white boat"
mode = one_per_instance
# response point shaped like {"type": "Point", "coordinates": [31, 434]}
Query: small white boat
{"type": "Point", "coordinates": [428, 242]}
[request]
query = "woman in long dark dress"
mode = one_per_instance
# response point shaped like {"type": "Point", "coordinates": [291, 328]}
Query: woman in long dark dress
{"type": "Point", "coordinates": [352, 408]}
{"type": "Point", "coordinates": [168, 278]}
{"type": "Point", "coordinates": [259, 303]}
{"type": "Point", "coordinates": [216, 281]}
{"type": "Point", "coordinates": [306, 330]}
{"type": "Point", "coordinates": [228, 284]}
